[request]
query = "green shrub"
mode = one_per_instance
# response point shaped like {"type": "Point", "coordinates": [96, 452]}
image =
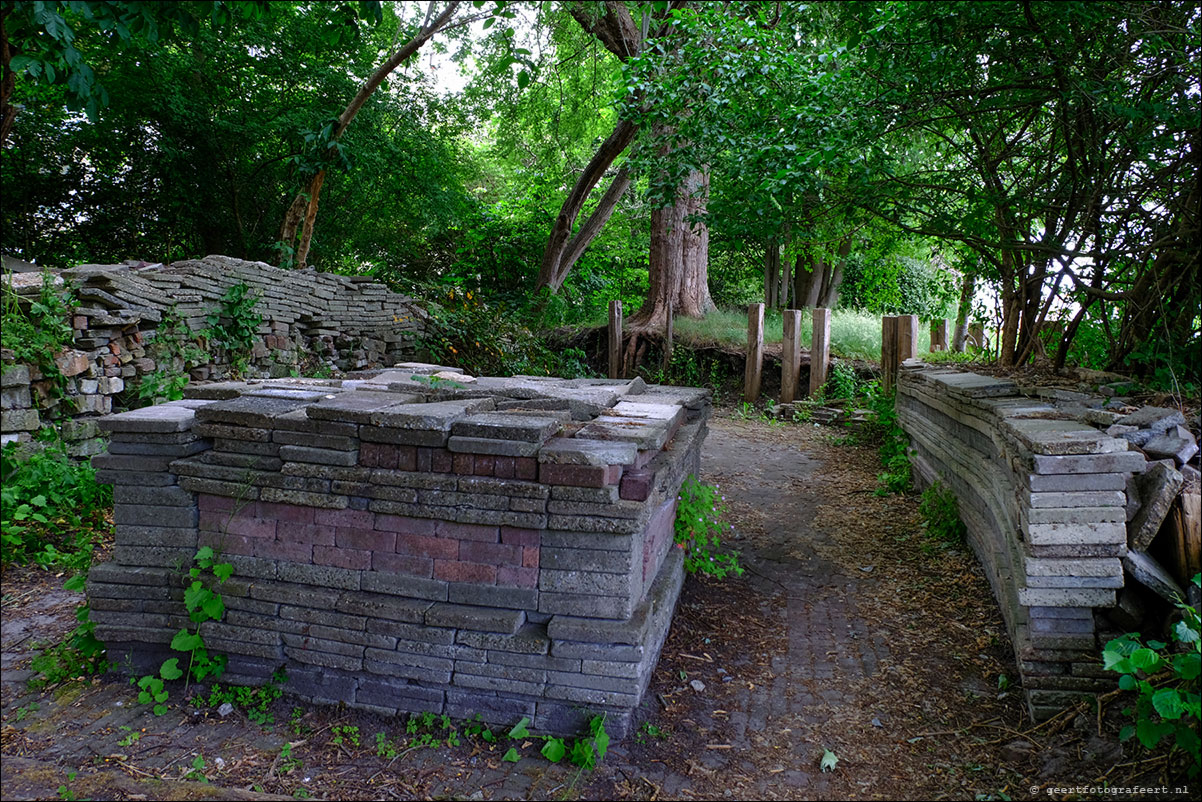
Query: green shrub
{"type": "Point", "coordinates": [699, 510]}
{"type": "Point", "coordinates": [1166, 683]}
{"type": "Point", "coordinates": [940, 513]}
{"type": "Point", "coordinates": [53, 511]}
{"type": "Point", "coordinates": [485, 339]}
{"type": "Point", "coordinates": [37, 334]}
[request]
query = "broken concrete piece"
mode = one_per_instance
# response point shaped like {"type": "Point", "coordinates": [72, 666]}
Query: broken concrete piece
{"type": "Point", "coordinates": [1158, 489]}
{"type": "Point", "coordinates": [1158, 419]}
{"type": "Point", "coordinates": [1178, 444]}
{"type": "Point", "coordinates": [1152, 575]}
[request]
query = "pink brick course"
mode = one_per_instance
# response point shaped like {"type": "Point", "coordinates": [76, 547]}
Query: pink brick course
{"type": "Point", "coordinates": [338, 557]}
{"type": "Point", "coordinates": [459, 571]}
{"type": "Point", "coordinates": [402, 564]}
{"type": "Point", "coordinates": [517, 577]}
{"type": "Point", "coordinates": [369, 539]}
{"type": "Point", "coordinates": [424, 546]}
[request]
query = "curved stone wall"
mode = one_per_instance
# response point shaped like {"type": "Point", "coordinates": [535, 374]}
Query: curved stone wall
{"type": "Point", "coordinates": [1045, 503]}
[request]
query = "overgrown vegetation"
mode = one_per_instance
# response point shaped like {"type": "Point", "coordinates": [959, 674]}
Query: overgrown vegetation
{"type": "Point", "coordinates": [53, 509]}
{"type": "Point", "coordinates": [175, 350]}
{"type": "Point", "coordinates": [698, 530]}
{"type": "Point", "coordinates": [940, 513]}
{"type": "Point", "coordinates": [1164, 679]}
{"type": "Point", "coordinates": [37, 330]}
{"type": "Point", "coordinates": [203, 604]}
{"type": "Point", "coordinates": [234, 325]}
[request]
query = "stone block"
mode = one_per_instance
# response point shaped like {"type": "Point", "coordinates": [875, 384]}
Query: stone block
{"type": "Point", "coordinates": [1098, 498]}
{"type": "Point", "coordinates": [1158, 489]}
{"type": "Point", "coordinates": [566, 451]}
{"type": "Point", "coordinates": [1117, 462]}
{"type": "Point", "coordinates": [483, 619]}
{"type": "Point", "coordinates": [1075, 482]}
{"type": "Point", "coordinates": [19, 420]}
{"type": "Point", "coordinates": [1149, 573]}
{"type": "Point", "coordinates": [1157, 419]}
{"type": "Point", "coordinates": [249, 411]}
{"type": "Point", "coordinates": [1112, 532]}
{"type": "Point", "coordinates": [1177, 444]}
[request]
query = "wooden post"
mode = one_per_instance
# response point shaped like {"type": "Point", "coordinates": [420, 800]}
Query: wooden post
{"type": "Point", "coordinates": [888, 352]}
{"type": "Point", "coordinates": [790, 363]}
{"type": "Point", "coordinates": [820, 349]}
{"type": "Point", "coordinates": [615, 339]}
{"type": "Point", "coordinates": [940, 330]}
{"type": "Point", "coordinates": [755, 352]}
{"type": "Point", "coordinates": [668, 337]}
{"type": "Point", "coordinates": [907, 337]}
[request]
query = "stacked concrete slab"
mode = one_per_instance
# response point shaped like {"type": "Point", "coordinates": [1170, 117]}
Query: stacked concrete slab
{"type": "Point", "coordinates": [309, 319]}
{"type": "Point", "coordinates": [414, 541]}
{"type": "Point", "coordinates": [1045, 503]}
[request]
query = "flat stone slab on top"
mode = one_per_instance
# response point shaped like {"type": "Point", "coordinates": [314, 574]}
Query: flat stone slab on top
{"type": "Point", "coordinates": [173, 416]}
{"type": "Point", "coordinates": [1060, 437]}
{"type": "Point", "coordinates": [573, 451]}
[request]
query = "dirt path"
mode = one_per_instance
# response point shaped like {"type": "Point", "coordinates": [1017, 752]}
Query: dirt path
{"type": "Point", "coordinates": [849, 632]}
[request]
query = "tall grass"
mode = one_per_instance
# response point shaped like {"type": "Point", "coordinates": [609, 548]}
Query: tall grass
{"type": "Point", "coordinates": [854, 334]}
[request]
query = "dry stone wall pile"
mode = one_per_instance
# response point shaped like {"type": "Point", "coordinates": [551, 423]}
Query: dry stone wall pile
{"type": "Point", "coordinates": [1060, 505]}
{"type": "Point", "coordinates": [412, 540]}
{"type": "Point", "coordinates": [310, 321]}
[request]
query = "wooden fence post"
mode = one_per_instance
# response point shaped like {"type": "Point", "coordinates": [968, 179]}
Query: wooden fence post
{"type": "Point", "coordinates": [940, 330]}
{"type": "Point", "coordinates": [820, 349]}
{"type": "Point", "coordinates": [755, 352]}
{"type": "Point", "coordinates": [907, 337]}
{"type": "Point", "coordinates": [790, 363]}
{"type": "Point", "coordinates": [615, 339]}
{"type": "Point", "coordinates": [668, 338]}
{"type": "Point", "coordinates": [888, 352]}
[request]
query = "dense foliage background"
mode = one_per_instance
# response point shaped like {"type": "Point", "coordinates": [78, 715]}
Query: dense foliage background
{"type": "Point", "coordinates": [880, 153]}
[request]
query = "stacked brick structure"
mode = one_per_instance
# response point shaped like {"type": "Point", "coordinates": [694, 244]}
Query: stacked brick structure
{"type": "Point", "coordinates": [407, 543]}
{"type": "Point", "coordinates": [310, 321]}
{"type": "Point", "coordinates": [1045, 502]}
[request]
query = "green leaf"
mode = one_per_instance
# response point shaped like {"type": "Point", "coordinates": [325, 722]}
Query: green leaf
{"type": "Point", "coordinates": [1127, 682]}
{"type": "Point", "coordinates": [213, 607]}
{"type": "Point", "coordinates": [1167, 702]}
{"type": "Point", "coordinates": [519, 730]}
{"type": "Point", "coordinates": [76, 583]}
{"type": "Point", "coordinates": [1126, 732]}
{"type": "Point", "coordinates": [554, 749]}
{"type": "Point", "coordinates": [170, 669]}
{"type": "Point", "coordinates": [523, 79]}
{"type": "Point", "coordinates": [185, 641]}
{"type": "Point", "coordinates": [511, 756]}
{"type": "Point", "coordinates": [223, 571]}
{"type": "Point", "coordinates": [1145, 659]}
{"type": "Point", "coordinates": [829, 760]}
{"type": "Point", "coordinates": [1150, 732]}
{"type": "Point", "coordinates": [204, 553]}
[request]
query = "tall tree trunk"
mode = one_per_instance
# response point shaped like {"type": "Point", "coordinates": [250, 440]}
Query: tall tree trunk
{"type": "Point", "coordinates": [303, 208]}
{"type": "Point", "coordinates": [834, 276]}
{"type": "Point", "coordinates": [679, 259]}
{"type": "Point", "coordinates": [610, 21]}
{"type": "Point", "coordinates": [772, 280]}
{"type": "Point", "coordinates": [564, 248]}
{"type": "Point", "coordinates": [968, 288]}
